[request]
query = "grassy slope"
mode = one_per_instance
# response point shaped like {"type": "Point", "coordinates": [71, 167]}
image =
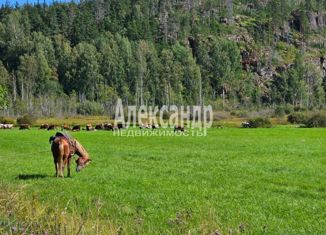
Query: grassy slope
{"type": "Point", "coordinates": [270, 180]}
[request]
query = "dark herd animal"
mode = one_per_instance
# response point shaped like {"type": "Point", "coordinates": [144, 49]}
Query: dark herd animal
{"type": "Point", "coordinates": [90, 127]}
{"type": "Point", "coordinates": [179, 129]}
{"type": "Point", "coordinates": [51, 127]}
{"type": "Point", "coordinates": [44, 126]}
{"type": "Point", "coordinates": [148, 126]}
{"type": "Point", "coordinates": [99, 127]}
{"type": "Point", "coordinates": [76, 128]}
{"type": "Point", "coordinates": [66, 127]}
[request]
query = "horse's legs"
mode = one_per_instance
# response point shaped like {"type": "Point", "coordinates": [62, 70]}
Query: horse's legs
{"type": "Point", "coordinates": [56, 168]}
{"type": "Point", "coordinates": [64, 164]}
{"type": "Point", "coordinates": [68, 167]}
{"type": "Point", "coordinates": [61, 167]}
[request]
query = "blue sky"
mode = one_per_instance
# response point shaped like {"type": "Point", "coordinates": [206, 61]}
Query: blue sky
{"type": "Point", "coordinates": [21, 2]}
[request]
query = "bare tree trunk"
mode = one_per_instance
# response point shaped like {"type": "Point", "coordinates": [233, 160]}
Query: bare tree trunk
{"type": "Point", "coordinates": [229, 4]}
{"type": "Point", "coordinates": [200, 92]}
{"type": "Point", "coordinates": [22, 91]}
{"type": "Point", "coordinates": [223, 97]}
{"type": "Point", "coordinates": [14, 87]}
{"type": "Point", "coordinates": [141, 89]}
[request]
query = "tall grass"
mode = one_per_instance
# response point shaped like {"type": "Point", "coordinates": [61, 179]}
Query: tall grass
{"type": "Point", "coordinates": [22, 215]}
{"type": "Point", "coordinates": [232, 181]}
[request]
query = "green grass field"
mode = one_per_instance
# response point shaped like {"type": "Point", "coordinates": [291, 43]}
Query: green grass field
{"type": "Point", "coordinates": [252, 181]}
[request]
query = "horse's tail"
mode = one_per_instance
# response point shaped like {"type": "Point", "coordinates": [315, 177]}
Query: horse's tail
{"type": "Point", "coordinates": [52, 138]}
{"type": "Point", "coordinates": [61, 149]}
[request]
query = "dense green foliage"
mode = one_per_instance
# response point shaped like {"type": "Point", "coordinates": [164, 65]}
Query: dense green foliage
{"type": "Point", "coordinates": [26, 119]}
{"type": "Point", "coordinates": [260, 122]}
{"type": "Point", "coordinates": [297, 118]}
{"type": "Point", "coordinates": [65, 58]}
{"type": "Point", "coordinates": [268, 181]}
{"type": "Point", "coordinates": [7, 120]}
{"type": "Point", "coordinates": [317, 120]}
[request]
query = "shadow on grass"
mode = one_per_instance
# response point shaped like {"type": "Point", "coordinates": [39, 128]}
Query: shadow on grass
{"type": "Point", "coordinates": [30, 176]}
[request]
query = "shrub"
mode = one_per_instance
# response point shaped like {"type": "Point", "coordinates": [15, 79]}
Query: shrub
{"type": "Point", "coordinates": [300, 109]}
{"type": "Point", "coordinates": [7, 120]}
{"type": "Point", "coordinates": [282, 110]}
{"type": "Point", "coordinates": [317, 120]}
{"type": "Point", "coordinates": [90, 108]}
{"type": "Point", "coordinates": [297, 118]}
{"type": "Point", "coordinates": [288, 109]}
{"type": "Point", "coordinates": [279, 111]}
{"type": "Point", "coordinates": [166, 115]}
{"type": "Point", "coordinates": [220, 115]}
{"type": "Point", "coordinates": [26, 119]}
{"type": "Point", "coordinates": [239, 113]}
{"type": "Point", "coordinates": [260, 123]}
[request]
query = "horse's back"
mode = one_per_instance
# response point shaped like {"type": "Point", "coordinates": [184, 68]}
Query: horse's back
{"type": "Point", "coordinates": [59, 147]}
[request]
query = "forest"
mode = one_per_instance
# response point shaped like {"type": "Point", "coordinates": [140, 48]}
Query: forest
{"type": "Point", "coordinates": [79, 58]}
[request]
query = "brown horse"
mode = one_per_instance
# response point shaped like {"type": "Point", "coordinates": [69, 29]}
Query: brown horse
{"type": "Point", "coordinates": [63, 148]}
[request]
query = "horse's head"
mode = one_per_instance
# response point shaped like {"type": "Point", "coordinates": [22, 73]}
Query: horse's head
{"type": "Point", "coordinates": [82, 163]}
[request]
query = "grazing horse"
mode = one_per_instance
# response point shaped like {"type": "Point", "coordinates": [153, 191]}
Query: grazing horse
{"type": "Point", "coordinates": [63, 148]}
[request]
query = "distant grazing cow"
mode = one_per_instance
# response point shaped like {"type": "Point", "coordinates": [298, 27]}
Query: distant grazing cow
{"type": "Point", "coordinates": [179, 128]}
{"type": "Point", "coordinates": [246, 125]}
{"type": "Point", "coordinates": [120, 126]}
{"type": "Point", "coordinates": [146, 126]}
{"type": "Point", "coordinates": [89, 127]}
{"type": "Point", "coordinates": [108, 127]}
{"type": "Point", "coordinates": [51, 127]}
{"type": "Point", "coordinates": [44, 126]}
{"type": "Point", "coordinates": [24, 127]}
{"type": "Point", "coordinates": [76, 128]}
{"type": "Point", "coordinates": [8, 126]}
{"type": "Point", "coordinates": [99, 127]}
{"type": "Point", "coordinates": [66, 127]}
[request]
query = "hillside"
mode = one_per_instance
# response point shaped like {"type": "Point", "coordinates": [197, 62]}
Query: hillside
{"type": "Point", "coordinates": [64, 59]}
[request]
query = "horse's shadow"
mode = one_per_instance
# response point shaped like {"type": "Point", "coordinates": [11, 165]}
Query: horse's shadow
{"type": "Point", "coordinates": [31, 176]}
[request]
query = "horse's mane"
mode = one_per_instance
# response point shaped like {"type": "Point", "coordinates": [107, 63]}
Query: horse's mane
{"type": "Point", "coordinates": [80, 150]}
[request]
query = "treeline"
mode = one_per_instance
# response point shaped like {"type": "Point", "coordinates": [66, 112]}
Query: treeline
{"type": "Point", "coordinates": [74, 58]}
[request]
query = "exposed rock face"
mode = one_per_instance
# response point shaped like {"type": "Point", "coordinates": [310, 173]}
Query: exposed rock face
{"type": "Point", "coordinates": [317, 20]}
{"type": "Point", "coordinates": [193, 44]}
{"type": "Point", "coordinates": [249, 61]}
{"type": "Point", "coordinates": [323, 65]}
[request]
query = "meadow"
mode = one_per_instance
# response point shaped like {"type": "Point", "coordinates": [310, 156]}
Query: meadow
{"type": "Point", "coordinates": [250, 181]}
